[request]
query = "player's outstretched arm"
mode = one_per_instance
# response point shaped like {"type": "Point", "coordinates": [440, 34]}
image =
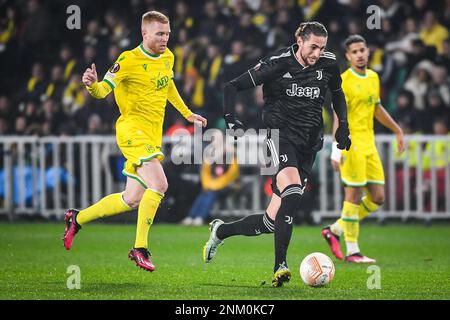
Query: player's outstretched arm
{"type": "Point", "coordinates": [197, 119]}
{"type": "Point", "coordinates": [342, 133]}
{"type": "Point", "coordinates": [175, 99]}
{"type": "Point", "coordinates": [96, 89]}
{"type": "Point", "coordinates": [386, 120]}
{"type": "Point", "coordinates": [243, 82]}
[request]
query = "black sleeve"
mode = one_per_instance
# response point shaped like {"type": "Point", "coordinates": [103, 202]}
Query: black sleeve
{"type": "Point", "coordinates": [335, 81]}
{"type": "Point", "coordinates": [266, 70]}
{"type": "Point", "coordinates": [230, 90]}
{"type": "Point", "coordinates": [339, 104]}
{"type": "Point", "coordinates": [337, 95]}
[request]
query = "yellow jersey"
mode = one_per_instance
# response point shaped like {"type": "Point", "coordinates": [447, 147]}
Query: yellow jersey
{"type": "Point", "coordinates": [362, 94]}
{"type": "Point", "coordinates": [142, 84]}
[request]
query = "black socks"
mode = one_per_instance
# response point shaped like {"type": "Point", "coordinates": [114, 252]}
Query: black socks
{"type": "Point", "coordinates": [251, 225]}
{"type": "Point", "coordinates": [290, 200]}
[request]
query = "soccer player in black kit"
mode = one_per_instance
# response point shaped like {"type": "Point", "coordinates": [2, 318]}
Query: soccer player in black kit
{"type": "Point", "coordinates": [295, 80]}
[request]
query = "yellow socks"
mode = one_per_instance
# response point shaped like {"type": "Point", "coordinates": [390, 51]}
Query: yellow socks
{"type": "Point", "coordinates": [350, 218]}
{"type": "Point", "coordinates": [114, 204]}
{"type": "Point", "coordinates": [110, 205]}
{"type": "Point", "coordinates": [366, 207]}
{"type": "Point", "coordinates": [147, 210]}
{"type": "Point", "coordinates": [338, 227]}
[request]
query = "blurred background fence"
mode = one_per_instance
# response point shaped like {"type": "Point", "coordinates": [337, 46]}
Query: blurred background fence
{"type": "Point", "coordinates": [45, 176]}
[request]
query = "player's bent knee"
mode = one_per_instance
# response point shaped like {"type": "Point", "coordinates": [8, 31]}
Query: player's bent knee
{"type": "Point", "coordinates": [132, 201]}
{"type": "Point", "coordinates": [294, 192]}
{"type": "Point", "coordinates": [159, 185]}
{"type": "Point", "coordinates": [378, 199]}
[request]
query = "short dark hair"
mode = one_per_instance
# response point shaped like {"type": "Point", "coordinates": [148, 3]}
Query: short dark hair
{"type": "Point", "coordinates": [354, 38]}
{"type": "Point", "coordinates": [307, 28]}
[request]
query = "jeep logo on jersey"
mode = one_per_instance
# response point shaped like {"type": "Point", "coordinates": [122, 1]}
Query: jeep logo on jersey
{"type": "Point", "coordinates": [162, 82]}
{"type": "Point", "coordinates": [308, 92]}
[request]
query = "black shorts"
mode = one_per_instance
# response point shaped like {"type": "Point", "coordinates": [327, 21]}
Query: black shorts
{"type": "Point", "coordinates": [287, 154]}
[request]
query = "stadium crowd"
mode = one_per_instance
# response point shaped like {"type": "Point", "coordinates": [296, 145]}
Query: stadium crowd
{"type": "Point", "coordinates": [213, 41]}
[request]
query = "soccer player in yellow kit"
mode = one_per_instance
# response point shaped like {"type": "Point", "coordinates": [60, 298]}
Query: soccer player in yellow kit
{"type": "Point", "coordinates": [142, 81]}
{"type": "Point", "coordinates": [360, 167]}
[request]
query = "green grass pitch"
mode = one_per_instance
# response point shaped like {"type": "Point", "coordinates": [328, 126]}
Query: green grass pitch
{"type": "Point", "coordinates": [414, 262]}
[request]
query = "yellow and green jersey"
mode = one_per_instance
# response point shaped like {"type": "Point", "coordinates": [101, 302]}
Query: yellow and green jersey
{"type": "Point", "coordinates": [362, 94]}
{"type": "Point", "coordinates": [142, 84]}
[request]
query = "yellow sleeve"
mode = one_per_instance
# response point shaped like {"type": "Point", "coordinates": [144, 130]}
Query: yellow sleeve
{"type": "Point", "coordinates": [115, 75]}
{"type": "Point", "coordinates": [346, 88]}
{"type": "Point", "coordinates": [118, 71]}
{"type": "Point", "coordinates": [99, 90]}
{"type": "Point", "coordinates": [175, 99]}
{"type": "Point", "coordinates": [378, 96]}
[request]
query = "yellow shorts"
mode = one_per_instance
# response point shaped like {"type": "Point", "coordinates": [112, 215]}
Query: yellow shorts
{"type": "Point", "coordinates": [361, 168]}
{"type": "Point", "coordinates": [138, 144]}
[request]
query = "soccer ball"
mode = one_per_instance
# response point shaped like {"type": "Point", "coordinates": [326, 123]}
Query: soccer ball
{"type": "Point", "coordinates": [317, 269]}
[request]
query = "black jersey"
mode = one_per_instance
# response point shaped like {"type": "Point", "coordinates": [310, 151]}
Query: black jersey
{"type": "Point", "coordinates": [294, 95]}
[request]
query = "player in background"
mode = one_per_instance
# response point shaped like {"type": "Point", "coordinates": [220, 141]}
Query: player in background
{"type": "Point", "coordinates": [142, 81]}
{"type": "Point", "coordinates": [360, 167]}
{"type": "Point", "coordinates": [295, 80]}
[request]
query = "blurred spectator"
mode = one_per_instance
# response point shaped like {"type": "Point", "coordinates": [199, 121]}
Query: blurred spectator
{"type": "Point", "coordinates": [55, 88]}
{"type": "Point", "coordinates": [94, 37]}
{"type": "Point", "coordinates": [213, 42]}
{"type": "Point", "coordinates": [74, 95]}
{"type": "Point", "coordinates": [433, 33]}
{"type": "Point", "coordinates": [52, 117]}
{"type": "Point", "coordinates": [35, 87]}
{"type": "Point", "coordinates": [419, 53]}
{"type": "Point", "coordinates": [20, 126]}
{"type": "Point", "coordinates": [249, 34]}
{"type": "Point", "coordinates": [5, 108]}
{"type": "Point", "coordinates": [444, 58]}
{"type": "Point", "coordinates": [446, 14]}
{"type": "Point", "coordinates": [403, 45]}
{"type": "Point", "coordinates": [7, 28]}
{"type": "Point", "coordinates": [67, 61]}
{"type": "Point", "coordinates": [211, 17]}
{"type": "Point", "coordinates": [418, 9]}
{"type": "Point", "coordinates": [4, 127]}
{"type": "Point", "coordinates": [418, 83]}
{"type": "Point", "coordinates": [393, 11]}
{"type": "Point", "coordinates": [89, 57]}
{"type": "Point", "coordinates": [117, 30]}
{"type": "Point", "coordinates": [95, 125]}
{"type": "Point", "coordinates": [435, 110]}
{"type": "Point", "coordinates": [436, 158]}
{"type": "Point", "coordinates": [31, 113]}
{"type": "Point", "coordinates": [281, 33]}
{"type": "Point", "coordinates": [442, 84]}
{"type": "Point", "coordinates": [263, 17]}
{"type": "Point", "coordinates": [405, 112]}
{"type": "Point", "coordinates": [8, 49]}
{"type": "Point", "coordinates": [35, 33]}
{"type": "Point", "coordinates": [182, 18]}
{"type": "Point", "coordinates": [236, 61]}
{"type": "Point", "coordinates": [217, 177]}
